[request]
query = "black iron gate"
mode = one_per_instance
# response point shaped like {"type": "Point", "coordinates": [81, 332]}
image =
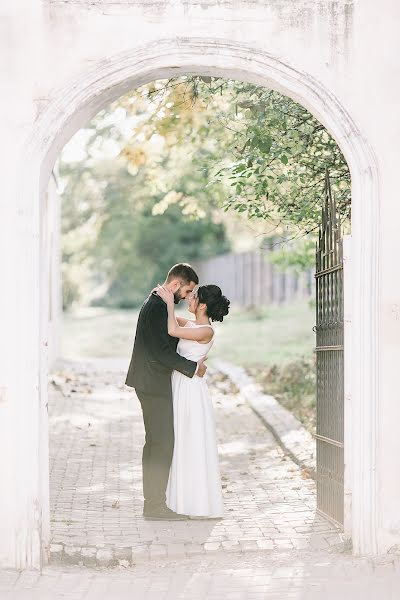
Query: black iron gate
{"type": "Point", "coordinates": [330, 364]}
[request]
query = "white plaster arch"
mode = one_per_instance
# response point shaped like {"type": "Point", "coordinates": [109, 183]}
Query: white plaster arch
{"type": "Point", "coordinates": [71, 108]}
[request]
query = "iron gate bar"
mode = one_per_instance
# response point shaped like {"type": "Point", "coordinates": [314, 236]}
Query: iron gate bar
{"type": "Point", "coordinates": [337, 523]}
{"type": "Point", "coordinates": [329, 350]}
{"type": "Point", "coordinates": [325, 348]}
{"type": "Point", "coordinates": [328, 440]}
{"type": "Point", "coordinates": [330, 270]}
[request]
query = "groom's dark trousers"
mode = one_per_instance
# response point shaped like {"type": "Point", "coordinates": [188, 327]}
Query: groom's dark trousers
{"type": "Point", "coordinates": [159, 446]}
{"type": "Point", "coordinates": [154, 357]}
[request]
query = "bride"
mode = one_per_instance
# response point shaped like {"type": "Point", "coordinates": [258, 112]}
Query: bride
{"type": "Point", "coordinates": [194, 485]}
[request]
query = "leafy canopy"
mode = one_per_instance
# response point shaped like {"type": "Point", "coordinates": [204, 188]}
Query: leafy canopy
{"type": "Point", "coordinates": [165, 168]}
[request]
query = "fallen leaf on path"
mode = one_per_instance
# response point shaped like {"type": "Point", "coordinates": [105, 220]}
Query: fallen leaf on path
{"type": "Point", "coordinates": [305, 473]}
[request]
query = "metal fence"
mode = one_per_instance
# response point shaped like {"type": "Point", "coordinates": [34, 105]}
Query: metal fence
{"type": "Point", "coordinates": [249, 279]}
{"type": "Point", "coordinates": [330, 362]}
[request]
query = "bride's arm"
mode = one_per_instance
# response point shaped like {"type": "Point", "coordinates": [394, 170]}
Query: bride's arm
{"type": "Point", "coordinates": [181, 321]}
{"type": "Point", "coordinates": [199, 334]}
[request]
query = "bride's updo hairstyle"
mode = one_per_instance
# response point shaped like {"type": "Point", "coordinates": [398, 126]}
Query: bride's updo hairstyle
{"type": "Point", "coordinates": [217, 304]}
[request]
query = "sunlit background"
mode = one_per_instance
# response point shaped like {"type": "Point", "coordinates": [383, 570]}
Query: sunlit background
{"type": "Point", "coordinates": [218, 173]}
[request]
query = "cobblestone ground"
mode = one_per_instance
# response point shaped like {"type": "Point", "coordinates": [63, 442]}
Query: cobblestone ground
{"type": "Point", "coordinates": [96, 438]}
{"type": "Point", "coordinates": [270, 545]}
{"type": "Point", "coordinates": [256, 575]}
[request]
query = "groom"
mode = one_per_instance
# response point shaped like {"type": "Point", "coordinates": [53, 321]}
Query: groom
{"type": "Point", "coordinates": [154, 357]}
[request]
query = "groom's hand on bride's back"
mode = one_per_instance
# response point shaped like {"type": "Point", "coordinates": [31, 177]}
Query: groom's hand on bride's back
{"type": "Point", "coordinates": [201, 367]}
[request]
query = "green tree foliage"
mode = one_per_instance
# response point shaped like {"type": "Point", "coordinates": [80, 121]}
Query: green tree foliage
{"type": "Point", "coordinates": [268, 153]}
{"type": "Point", "coordinates": [186, 152]}
{"type": "Point", "coordinates": [275, 153]}
{"type": "Point", "coordinates": [118, 239]}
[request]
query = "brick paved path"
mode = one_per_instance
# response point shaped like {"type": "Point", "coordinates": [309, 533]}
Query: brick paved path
{"type": "Point", "coordinates": [270, 546]}
{"type": "Point", "coordinates": [281, 575]}
{"type": "Point", "coordinates": [96, 437]}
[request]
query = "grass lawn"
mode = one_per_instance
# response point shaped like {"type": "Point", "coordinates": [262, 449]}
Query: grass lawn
{"type": "Point", "coordinates": [275, 345]}
{"type": "Point", "coordinates": [276, 335]}
{"type": "Point", "coordinates": [98, 332]}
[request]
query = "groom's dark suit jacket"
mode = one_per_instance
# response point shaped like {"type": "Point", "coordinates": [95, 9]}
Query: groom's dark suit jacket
{"type": "Point", "coordinates": [154, 355]}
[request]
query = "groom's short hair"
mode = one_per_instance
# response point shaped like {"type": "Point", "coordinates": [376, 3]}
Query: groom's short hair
{"type": "Point", "coordinates": [184, 272]}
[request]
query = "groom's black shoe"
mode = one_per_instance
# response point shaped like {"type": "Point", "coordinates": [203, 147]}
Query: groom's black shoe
{"type": "Point", "coordinates": [163, 514]}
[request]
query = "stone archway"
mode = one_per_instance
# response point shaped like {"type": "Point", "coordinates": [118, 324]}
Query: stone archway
{"type": "Point", "coordinates": [73, 106]}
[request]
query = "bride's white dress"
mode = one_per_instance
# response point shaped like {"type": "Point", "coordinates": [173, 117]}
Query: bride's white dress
{"type": "Point", "coordinates": [194, 485]}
